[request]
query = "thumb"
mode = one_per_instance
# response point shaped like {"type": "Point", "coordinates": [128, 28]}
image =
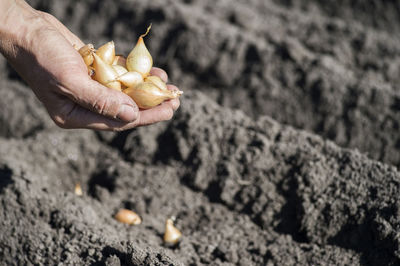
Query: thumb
{"type": "Point", "coordinates": [99, 99]}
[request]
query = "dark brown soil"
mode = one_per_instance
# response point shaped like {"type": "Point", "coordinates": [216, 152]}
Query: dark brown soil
{"type": "Point", "coordinates": [260, 165]}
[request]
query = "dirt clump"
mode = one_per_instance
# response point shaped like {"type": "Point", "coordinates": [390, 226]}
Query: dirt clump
{"type": "Point", "coordinates": [260, 165]}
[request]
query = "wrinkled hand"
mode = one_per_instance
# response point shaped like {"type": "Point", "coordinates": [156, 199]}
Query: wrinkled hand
{"type": "Point", "coordinates": [42, 53]}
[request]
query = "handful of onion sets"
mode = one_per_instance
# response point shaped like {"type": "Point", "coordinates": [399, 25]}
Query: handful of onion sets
{"type": "Point", "coordinates": [130, 75]}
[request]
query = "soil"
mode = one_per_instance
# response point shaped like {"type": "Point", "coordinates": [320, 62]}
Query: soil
{"type": "Point", "coordinates": [284, 151]}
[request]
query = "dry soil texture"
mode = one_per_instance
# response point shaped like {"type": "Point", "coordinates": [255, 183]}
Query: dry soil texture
{"type": "Point", "coordinates": [284, 151]}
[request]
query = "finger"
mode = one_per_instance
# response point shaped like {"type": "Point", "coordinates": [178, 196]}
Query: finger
{"type": "Point", "coordinates": [156, 114]}
{"type": "Point", "coordinates": [172, 87]}
{"type": "Point", "coordinates": [78, 117]}
{"type": "Point", "coordinates": [155, 71]}
{"type": "Point", "coordinates": [75, 116]}
{"type": "Point", "coordinates": [90, 94]}
{"type": "Point", "coordinates": [175, 103]}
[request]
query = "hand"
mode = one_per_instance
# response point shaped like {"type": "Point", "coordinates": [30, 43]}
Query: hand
{"type": "Point", "coordinates": [41, 50]}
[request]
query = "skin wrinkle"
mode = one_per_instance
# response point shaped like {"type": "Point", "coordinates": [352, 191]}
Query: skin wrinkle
{"type": "Point", "coordinates": [72, 38]}
{"type": "Point", "coordinates": [69, 114]}
{"type": "Point", "coordinates": [6, 15]}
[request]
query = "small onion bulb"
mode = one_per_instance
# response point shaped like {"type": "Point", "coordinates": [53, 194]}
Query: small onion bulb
{"type": "Point", "coordinates": [130, 79]}
{"type": "Point", "coordinates": [147, 95]}
{"type": "Point", "coordinates": [119, 69]}
{"type": "Point", "coordinates": [107, 52]}
{"type": "Point", "coordinates": [86, 52]}
{"type": "Point", "coordinates": [105, 74]}
{"type": "Point", "coordinates": [119, 60]}
{"type": "Point", "coordinates": [172, 235]}
{"type": "Point", "coordinates": [139, 59]}
{"type": "Point", "coordinates": [128, 217]}
{"type": "Point", "coordinates": [156, 81]}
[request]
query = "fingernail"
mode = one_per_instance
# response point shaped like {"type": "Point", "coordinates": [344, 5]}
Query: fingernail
{"type": "Point", "coordinates": [127, 113]}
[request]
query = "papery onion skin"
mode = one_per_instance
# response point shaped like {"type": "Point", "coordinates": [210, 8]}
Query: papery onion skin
{"type": "Point", "coordinates": [130, 79]}
{"type": "Point", "coordinates": [105, 74]}
{"type": "Point", "coordinates": [128, 217]}
{"type": "Point", "coordinates": [86, 52]}
{"type": "Point", "coordinates": [120, 61]}
{"type": "Point", "coordinates": [147, 95]}
{"type": "Point", "coordinates": [119, 69]}
{"type": "Point", "coordinates": [172, 235]}
{"type": "Point", "coordinates": [140, 59]}
{"type": "Point", "coordinates": [107, 52]}
{"type": "Point", "coordinates": [156, 80]}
